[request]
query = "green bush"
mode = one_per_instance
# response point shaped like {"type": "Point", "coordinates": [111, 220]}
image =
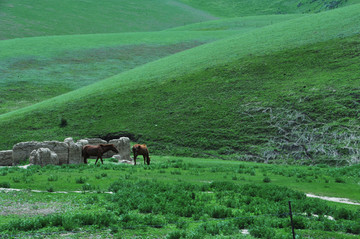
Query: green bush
{"type": "Point", "coordinates": [266, 180]}
{"type": "Point", "coordinates": [174, 235]}
{"type": "Point", "coordinates": [262, 232]}
{"type": "Point", "coordinates": [50, 189]}
{"type": "Point", "coordinates": [219, 211]}
{"type": "Point", "coordinates": [87, 187]}
{"type": "Point", "coordinates": [80, 180]}
{"type": "Point", "coordinates": [52, 178]}
{"type": "Point", "coordinates": [4, 185]}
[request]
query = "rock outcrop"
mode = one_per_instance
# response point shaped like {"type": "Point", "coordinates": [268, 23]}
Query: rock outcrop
{"type": "Point", "coordinates": [123, 146]}
{"type": "Point", "coordinates": [6, 158]}
{"type": "Point", "coordinates": [21, 151]}
{"type": "Point", "coordinates": [68, 152]}
{"type": "Point", "coordinates": [43, 156]}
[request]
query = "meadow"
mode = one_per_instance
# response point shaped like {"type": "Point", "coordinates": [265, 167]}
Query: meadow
{"type": "Point", "coordinates": [275, 93]}
{"type": "Point", "coordinates": [178, 197]}
{"type": "Point", "coordinates": [244, 105]}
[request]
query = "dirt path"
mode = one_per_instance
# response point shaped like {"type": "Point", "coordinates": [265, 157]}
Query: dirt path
{"type": "Point", "coordinates": [333, 199]}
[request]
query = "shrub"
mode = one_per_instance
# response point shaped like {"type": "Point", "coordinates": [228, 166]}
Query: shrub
{"type": "Point", "coordinates": [52, 178]}
{"type": "Point", "coordinates": [299, 222]}
{"type": "Point", "coordinates": [80, 180]}
{"type": "Point", "coordinates": [266, 180]}
{"type": "Point", "coordinates": [343, 213]}
{"type": "Point", "coordinates": [353, 227]}
{"type": "Point", "coordinates": [87, 187]}
{"type": "Point", "coordinates": [174, 235]}
{"type": "Point", "coordinates": [219, 212]}
{"type": "Point", "coordinates": [16, 179]}
{"type": "Point", "coordinates": [4, 185]}
{"type": "Point", "coordinates": [262, 232]}
{"type": "Point", "coordinates": [50, 189]}
{"type": "Point", "coordinates": [339, 180]}
{"type": "Point", "coordinates": [63, 123]}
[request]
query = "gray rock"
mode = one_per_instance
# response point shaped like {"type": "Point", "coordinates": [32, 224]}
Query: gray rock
{"type": "Point", "coordinates": [43, 156]}
{"type": "Point", "coordinates": [123, 146]}
{"type": "Point", "coordinates": [21, 151]}
{"type": "Point", "coordinates": [6, 158]}
{"type": "Point", "coordinates": [74, 151]}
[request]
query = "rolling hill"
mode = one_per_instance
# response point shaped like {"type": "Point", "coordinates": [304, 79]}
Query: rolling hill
{"type": "Point", "coordinates": [42, 18]}
{"type": "Point", "coordinates": [280, 92]}
{"type": "Point", "coordinates": [236, 8]}
{"type": "Point", "coordinates": [39, 68]}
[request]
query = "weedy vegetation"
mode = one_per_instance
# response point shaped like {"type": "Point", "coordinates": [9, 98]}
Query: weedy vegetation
{"type": "Point", "coordinates": [204, 198]}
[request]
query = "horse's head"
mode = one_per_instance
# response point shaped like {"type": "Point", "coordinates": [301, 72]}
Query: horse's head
{"type": "Point", "coordinates": [108, 147]}
{"type": "Point", "coordinates": [113, 148]}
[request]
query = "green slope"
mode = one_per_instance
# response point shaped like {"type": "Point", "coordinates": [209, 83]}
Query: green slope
{"type": "Point", "coordinates": [241, 24]}
{"type": "Point", "coordinates": [222, 97]}
{"type": "Point", "coordinates": [38, 68]}
{"type": "Point", "coordinates": [51, 17]}
{"type": "Point", "coordinates": [236, 8]}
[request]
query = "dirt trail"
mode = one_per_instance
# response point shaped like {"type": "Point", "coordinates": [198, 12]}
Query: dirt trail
{"type": "Point", "coordinates": [333, 199]}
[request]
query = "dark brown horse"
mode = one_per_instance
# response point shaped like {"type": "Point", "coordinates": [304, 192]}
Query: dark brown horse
{"type": "Point", "coordinates": [141, 149]}
{"type": "Point", "coordinates": [97, 150]}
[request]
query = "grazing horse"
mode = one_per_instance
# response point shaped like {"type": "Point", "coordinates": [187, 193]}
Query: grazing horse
{"type": "Point", "coordinates": [97, 150]}
{"type": "Point", "coordinates": [141, 149]}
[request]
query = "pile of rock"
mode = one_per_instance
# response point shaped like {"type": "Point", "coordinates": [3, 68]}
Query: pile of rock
{"type": "Point", "coordinates": [56, 152]}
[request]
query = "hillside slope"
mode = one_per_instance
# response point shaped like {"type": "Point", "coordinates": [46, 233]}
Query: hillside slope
{"type": "Point", "coordinates": [240, 8]}
{"type": "Point", "coordinates": [51, 17]}
{"type": "Point", "coordinates": [38, 68]}
{"type": "Point", "coordinates": [241, 97]}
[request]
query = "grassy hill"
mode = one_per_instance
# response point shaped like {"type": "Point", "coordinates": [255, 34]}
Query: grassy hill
{"type": "Point", "coordinates": [281, 92]}
{"type": "Point", "coordinates": [236, 8]}
{"type": "Point", "coordinates": [240, 24]}
{"type": "Point", "coordinates": [38, 68]}
{"type": "Point", "coordinates": [42, 18]}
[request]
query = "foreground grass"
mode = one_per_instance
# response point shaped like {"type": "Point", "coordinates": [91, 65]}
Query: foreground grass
{"type": "Point", "coordinates": [175, 197]}
{"type": "Point", "coordinates": [319, 180]}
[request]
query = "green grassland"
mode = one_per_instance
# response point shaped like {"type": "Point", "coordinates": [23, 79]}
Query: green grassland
{"type": "Point", "coordinates": [281, 92]}
{"type": "Point", "coordinates": [39, 68]}
{"type": "Point", "coordinates": [38, 18]}
{"type": "Point", "coordinates": [188, 196]}
{"type": "Point", "coordinates": [236, 8]}
{"type": "Point", "coordinates": [240, 24]}
{"type": "Point", "coordinates": [207, 85]}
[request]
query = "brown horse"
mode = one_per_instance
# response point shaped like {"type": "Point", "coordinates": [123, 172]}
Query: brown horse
{"type": "Point", "coordinates": [141, 149]}
{"type": "Point", "coordinates": [97, 150]}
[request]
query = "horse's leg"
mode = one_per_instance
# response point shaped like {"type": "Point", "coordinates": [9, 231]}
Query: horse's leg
{"type": "Point", "coordinates": [85, 158]}
{"type": "Point", "coordinates": [144, 156]}
{"type": "Point", "coordinates": [102, 162]}
{"type": "Point", "coordinates": [96, 159]}
{"type": "Point", "coordinates": [135, 155]}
